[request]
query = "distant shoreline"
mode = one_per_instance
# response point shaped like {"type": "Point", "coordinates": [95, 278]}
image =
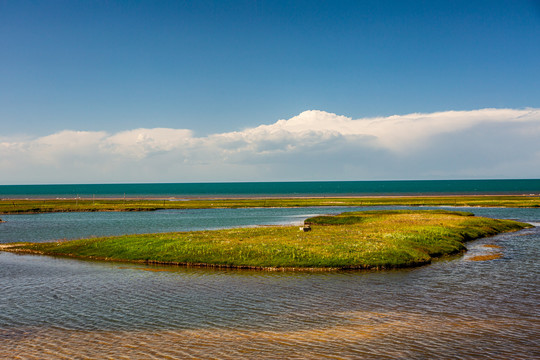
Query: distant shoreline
{"type": "Point", "coordinates": [80, 204]}
{"type": "Point", "coordinates": [263, 197]}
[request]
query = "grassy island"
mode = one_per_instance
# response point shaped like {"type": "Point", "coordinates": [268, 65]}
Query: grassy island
{"type": "Point", "coordinates": [353, 240]}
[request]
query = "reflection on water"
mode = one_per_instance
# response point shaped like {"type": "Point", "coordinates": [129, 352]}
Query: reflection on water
{"type": "Point", "coordinates": [54, 308]}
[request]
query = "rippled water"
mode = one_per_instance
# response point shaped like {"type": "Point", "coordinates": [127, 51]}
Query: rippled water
{"type": "Point", "coordinates": [457, 308]}
{"type": "Point", "coordinates": [51, 226]}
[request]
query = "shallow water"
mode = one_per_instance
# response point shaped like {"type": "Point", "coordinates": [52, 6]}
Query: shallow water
{"type": "Point", "coordinates": [54, 308]}
{"type": "Point", "coordinates": [52, 226]}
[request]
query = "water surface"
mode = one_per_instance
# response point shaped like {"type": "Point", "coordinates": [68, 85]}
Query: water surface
{"type": "Point", "coordinates": [73, 225]}
{"type": "Point", "coordinates": [298, 188]}
{"type": "Point", "coordinates": [54, 308]}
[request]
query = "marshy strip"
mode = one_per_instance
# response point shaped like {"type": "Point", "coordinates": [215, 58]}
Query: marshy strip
{"type": "Point", "coordinates": [26, 206]}
{"type": "Point", "coordinates": [352, 240]}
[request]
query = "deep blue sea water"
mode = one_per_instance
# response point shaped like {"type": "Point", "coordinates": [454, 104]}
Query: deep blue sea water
{"type": "Point", "coordinates": [302, 188]}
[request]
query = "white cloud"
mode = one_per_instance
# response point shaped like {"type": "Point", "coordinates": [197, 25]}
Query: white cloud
{"type": "Point", "coordinates": [139, 143]}
{"type": "Point", "coordinates": [398, 132]}
{"type": "Point", "coordinates": [312, 145]}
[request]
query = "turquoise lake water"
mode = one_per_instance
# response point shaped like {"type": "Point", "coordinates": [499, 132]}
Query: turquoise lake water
{"type": "Point", "coordinates": [312, 188]}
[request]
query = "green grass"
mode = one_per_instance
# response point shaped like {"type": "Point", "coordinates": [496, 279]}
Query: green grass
{"type": "Point", "coordinates": [52, 205]}
{"type": "Point", "coordinates": [358, 240]}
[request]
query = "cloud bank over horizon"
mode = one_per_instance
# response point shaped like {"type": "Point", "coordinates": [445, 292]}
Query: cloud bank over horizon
{"type": "Point", "coordinates": [314, 145]}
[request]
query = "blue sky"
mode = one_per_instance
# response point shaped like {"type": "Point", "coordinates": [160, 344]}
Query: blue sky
{"type": "Point", "coordinates": [217, 67]}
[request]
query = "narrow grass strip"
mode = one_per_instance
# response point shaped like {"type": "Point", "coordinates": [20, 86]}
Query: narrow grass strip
{"type": "Point", "coordinates": [21, 206]}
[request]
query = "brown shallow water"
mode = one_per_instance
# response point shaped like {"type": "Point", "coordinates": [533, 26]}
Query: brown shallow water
{"type": "Point", "coordinates": [361, 335]}
{"type": "Point", "coordinates": [456, 308]}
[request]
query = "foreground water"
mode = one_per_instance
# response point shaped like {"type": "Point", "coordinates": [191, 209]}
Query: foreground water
{"type": "Point", "coordinates": [53, 308]}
